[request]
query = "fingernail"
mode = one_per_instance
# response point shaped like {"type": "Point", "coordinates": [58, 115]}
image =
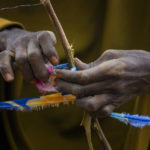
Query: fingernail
{"type": "Point", "coordinates": [54, 60]}
{"type": "Point", "coordinates": [9, 77]}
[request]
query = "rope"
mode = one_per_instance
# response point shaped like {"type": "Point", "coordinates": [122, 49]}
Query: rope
{"type": "Point", "coordinates": [18, 6]}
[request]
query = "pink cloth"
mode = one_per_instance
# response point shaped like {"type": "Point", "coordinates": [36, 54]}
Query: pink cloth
{"type": "Point", "coordinates": [43, 87]}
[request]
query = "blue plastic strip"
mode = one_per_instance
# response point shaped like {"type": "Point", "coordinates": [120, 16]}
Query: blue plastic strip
{"type": "Point", "coordinates": [62, 66]}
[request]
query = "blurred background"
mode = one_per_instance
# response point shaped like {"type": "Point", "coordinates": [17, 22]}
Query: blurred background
{"type": "Point", "coordinates": [92, 26]}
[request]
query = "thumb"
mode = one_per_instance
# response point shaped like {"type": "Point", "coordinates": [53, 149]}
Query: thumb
{"type": "Point", "coordinates": [80, 65]}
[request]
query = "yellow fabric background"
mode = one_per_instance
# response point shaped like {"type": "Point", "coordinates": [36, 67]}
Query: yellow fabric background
{"type": "Point", "coordinates": [92, 27]}
{"type": "Point", "coordinates": [4, 23]}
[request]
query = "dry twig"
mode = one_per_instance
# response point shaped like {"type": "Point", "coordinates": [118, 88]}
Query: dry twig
{"type": "Point", "coordinates": [86, 122]}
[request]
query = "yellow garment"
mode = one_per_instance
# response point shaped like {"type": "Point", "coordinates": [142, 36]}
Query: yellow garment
{"type": "Point", "coordinates": [6, 23]}
{"type": "Point", "coordinates": [92, 27]}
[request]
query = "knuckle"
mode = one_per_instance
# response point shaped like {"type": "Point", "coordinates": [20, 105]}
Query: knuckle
{"type": "Point", "coordinates": [47, 35]}
{"type": "Point", "coordinates": [91, 106]}
{"type": "Point", "coordinates": [41, 36]}
{"type": "Point", "coordinates": [119, 68]}
{"type": "Point", "coordinates": [115, 68]}
{"type": "Point", "coordinates": [84, 78]}
{"type": "Point", "coordinates": [91, 65]}
{"type": "Point", "coordinates": [22, 41]}
{"type": "Point", "coordinates": [110, 53]}
{"type": "Point", "coordinates": [4, 54]}
{"type": "Point", "coordinates": [120, 86]}
{"type": "Point", "coordinates": [50, 51]}
{"type": "Point", "coordinates": [17, 43]}
{"type": "Point", "coordinates": [34, 56]}
{"type": "Point", "coordinates": [77, 91]}
{"type": "Point", "coordinates": [21, 60]}
{"type": "Point", "coordinates": [102, 113]}
{"type": "Point", "coordinates": [52, 36]}
{"type": "Point", "coordinates": [3, 66]}
{"type": "Point", "coordinates": [105, 112]}
{"type": "Point", "coordinates": [42, 75]}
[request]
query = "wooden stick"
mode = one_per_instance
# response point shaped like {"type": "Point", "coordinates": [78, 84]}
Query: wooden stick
{"type": "Point", "coordinates": [67, 47]}
{"type": "Point", "coordinates": [102, 136]}
{"type": "Point", "coordinates": [69, 53]}
{"type": "Point", "coordinates": [86, 123]}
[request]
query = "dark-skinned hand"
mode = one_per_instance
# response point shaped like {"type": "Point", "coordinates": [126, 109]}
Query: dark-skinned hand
{"type": "Point", "coordinates": [110, 81]}
{"type": "Point", "coordinates": [31, 50]}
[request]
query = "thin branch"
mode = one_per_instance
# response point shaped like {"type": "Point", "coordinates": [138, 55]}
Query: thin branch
{"type": "Point", "coordinates": [86, 123]}
{"type": "Point", "coordinates": [69, 53]}
{"type": "Point", "coordinates": [67, 47]}
{"type": "Point", "coordinates": [102, 136]}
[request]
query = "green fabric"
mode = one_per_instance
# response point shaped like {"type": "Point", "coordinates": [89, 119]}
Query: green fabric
{"type": "Point", "coordinates": [92, 26]}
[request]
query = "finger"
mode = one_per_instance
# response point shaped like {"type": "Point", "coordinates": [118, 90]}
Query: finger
{"type": "Point", "coordinates": [80, 65]}
{"type": "Point", "coordinates": [5, 66]}
{"type": "Point", "coordinates": [109, 55]}
{"type": "Point", "coordinates": [113, 102]}
{"type": "Point", "coordinates": [113, 68]}
{"type": "Point", "coordinates": [104, 111]}
{"type": "Point", "coordinates": [87, 90]}
{"type": "Point", "coordinates": [37, 62]}
{"type": "Point", "coordinates": [69, 88]}
{"type": "Point", "coordinates": [93, 103]}
{"type": "Point", "coordinates": [106, 56]}
{"type": "Point", "coordinates": [47, 41]}
{"type": "Point", "coordinates": [23, 64]}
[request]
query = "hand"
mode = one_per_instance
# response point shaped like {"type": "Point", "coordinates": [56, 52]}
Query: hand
{"type": "Point", "coordinates": [31, 50]}
{"type": "Point", "coordinates": [113, 79]}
